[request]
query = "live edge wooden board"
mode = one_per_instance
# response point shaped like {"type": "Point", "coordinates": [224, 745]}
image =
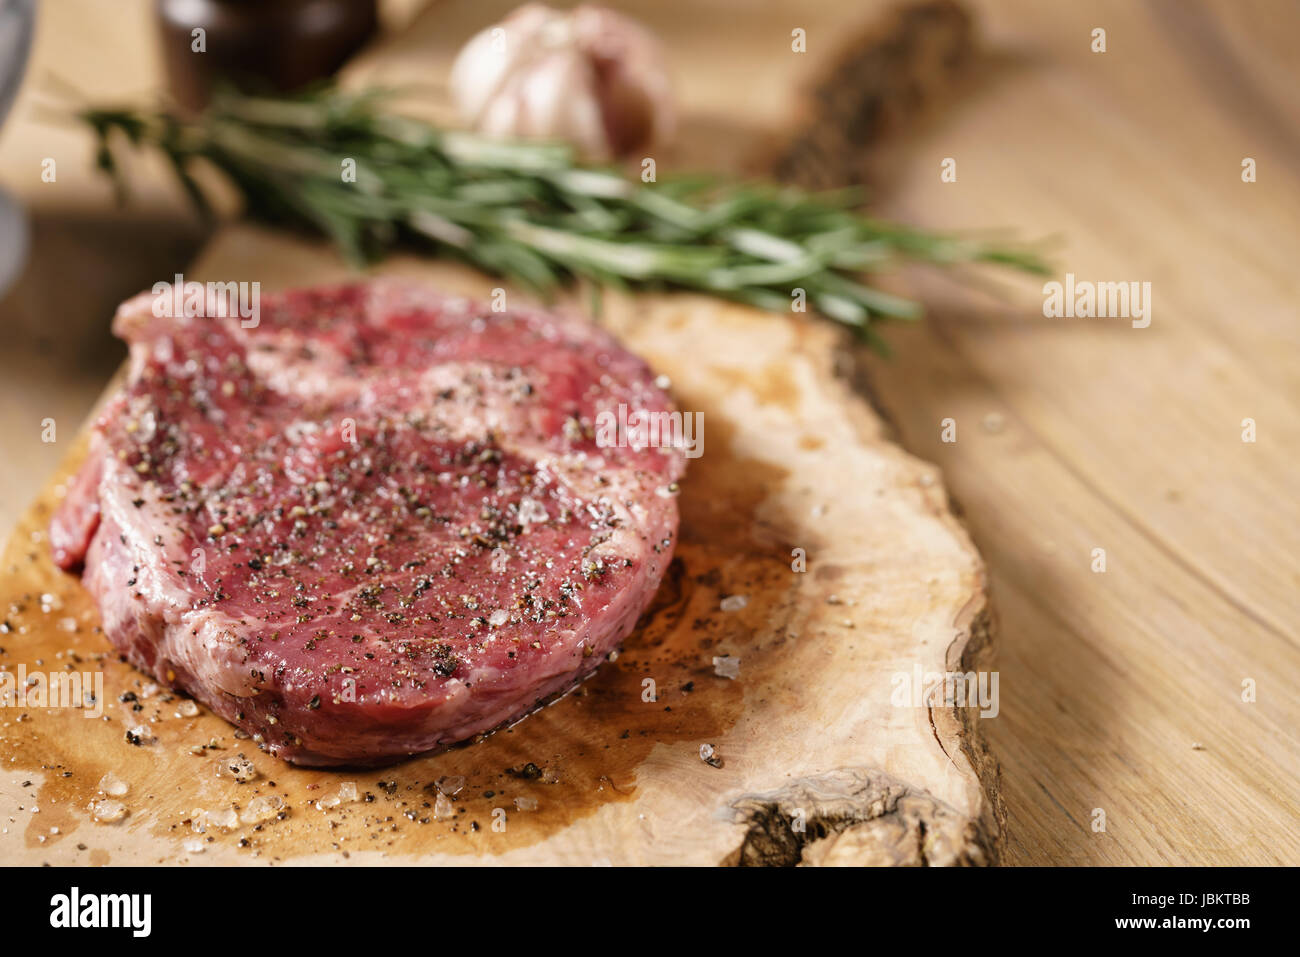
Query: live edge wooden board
{"type": "Point", "coordinates": [819, 763]}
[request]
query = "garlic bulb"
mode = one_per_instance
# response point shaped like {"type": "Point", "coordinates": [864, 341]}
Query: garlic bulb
{"type": "Point", "coordinates": [589, 76]}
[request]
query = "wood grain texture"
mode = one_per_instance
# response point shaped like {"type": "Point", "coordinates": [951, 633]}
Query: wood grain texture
{"type": "Point", "coordinates": [1123, 691]}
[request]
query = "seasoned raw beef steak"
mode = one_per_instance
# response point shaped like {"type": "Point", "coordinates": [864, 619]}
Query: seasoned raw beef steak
{"type": "Point", "coordinates": [376, 523]}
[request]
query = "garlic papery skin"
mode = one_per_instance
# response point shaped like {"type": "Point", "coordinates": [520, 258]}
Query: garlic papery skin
{"type": "Point", "coordinates": [591, 77]}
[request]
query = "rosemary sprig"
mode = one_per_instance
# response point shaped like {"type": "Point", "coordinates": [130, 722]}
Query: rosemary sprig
{"type": "Point", "coordinates": [529, 212]}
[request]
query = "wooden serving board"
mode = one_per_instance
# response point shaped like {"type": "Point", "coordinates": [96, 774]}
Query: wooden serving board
{"type": "Point", "coordinates": [819, 765]}
{"type": "Point", "coordinates": [793, 459]}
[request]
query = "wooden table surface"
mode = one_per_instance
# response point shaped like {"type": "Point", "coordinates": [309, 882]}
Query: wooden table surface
{"type": "Point", "coordinates": [1122, 690]}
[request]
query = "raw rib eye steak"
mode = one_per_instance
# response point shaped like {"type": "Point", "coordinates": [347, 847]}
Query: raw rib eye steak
{"type": "Point", "coordinates": [377, 523]}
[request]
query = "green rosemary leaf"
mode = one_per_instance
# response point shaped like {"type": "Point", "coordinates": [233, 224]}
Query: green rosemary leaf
{"type": "Point", "coordinates": [530, 212]}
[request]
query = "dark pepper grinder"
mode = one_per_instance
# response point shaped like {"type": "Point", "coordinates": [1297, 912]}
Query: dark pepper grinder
{"type": "Point", "coordinates": [258, 46]}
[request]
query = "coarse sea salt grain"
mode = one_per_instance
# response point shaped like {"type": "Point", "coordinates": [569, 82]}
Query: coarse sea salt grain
{"type": "Point", "coordinates": [238, 767]}
{"type": "Point", "coordinates": [141, 734]}
{"type": "Point", "coordinates": [347, 794]}
{"type": "Point", "coordinates": [734, 602]}
{"type": "Point", "coordinates": [224, 818]}
{"type": "Point", "coordinates": [107, 811]}
{"type": "Point", "coordinates": [725, 666]}
{"type": "Point", "coordinates": [262, 808]}
{"type": "Point", "coordinates": [201, 820]}
{"type": "Point", "coordinates": [443, 808]}
{"type": "Point", "coordinates": [112, 785]}
{"type": "Point", "coordinates": [451, 784]}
